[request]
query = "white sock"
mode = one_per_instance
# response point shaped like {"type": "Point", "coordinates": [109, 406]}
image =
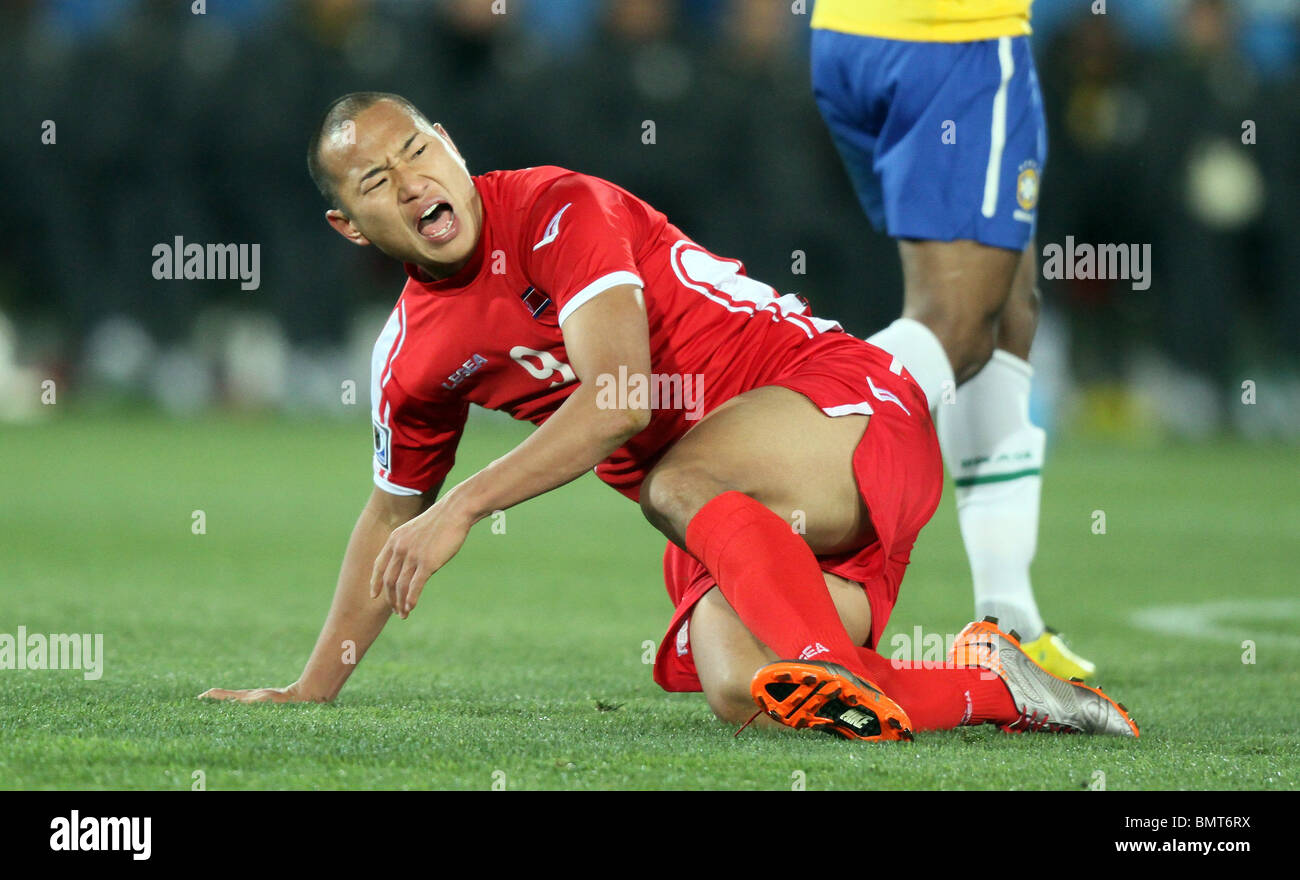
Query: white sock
{"type": "Point", "coordinates": [995, 455]}
{"type": "Point", "coordinates": [922, 354]}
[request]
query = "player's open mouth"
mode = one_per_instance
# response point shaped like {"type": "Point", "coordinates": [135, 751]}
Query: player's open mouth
{"type": "Point", "coordinates": [438, 222]}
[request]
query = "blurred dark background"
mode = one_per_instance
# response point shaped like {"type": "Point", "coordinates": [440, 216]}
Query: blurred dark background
{"type": "Point", "coordinates": [170, 123]}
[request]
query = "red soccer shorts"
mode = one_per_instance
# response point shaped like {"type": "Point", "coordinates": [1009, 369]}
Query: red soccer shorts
{"type": "Point", "coordinates": [899, 473]}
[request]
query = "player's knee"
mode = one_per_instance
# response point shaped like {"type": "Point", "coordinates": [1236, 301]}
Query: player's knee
{"type": "Point", "coordinates": [731, 701]}
{"type": "Point", "coordinates": [1019, 320]}
{"type": "Point", "coordinates": [967, 331]}
{"type": "Point", "coordinates": [968, 337]}
{"type": "Point", "coordinates": [672, 494]}
{"type": "Point", "coordinates": [973, 348]}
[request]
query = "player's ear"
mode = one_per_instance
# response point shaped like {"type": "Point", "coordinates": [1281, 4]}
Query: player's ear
{"type": "Point", "coordinates": [343, 226]}
{"type": "Point", "coordinates": [442, 133]}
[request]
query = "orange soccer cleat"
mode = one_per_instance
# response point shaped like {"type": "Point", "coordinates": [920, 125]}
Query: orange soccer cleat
{"type": "Point", "coordinates": [828, 697]}
{"type": "Point", "coordinates": [1046, 702]}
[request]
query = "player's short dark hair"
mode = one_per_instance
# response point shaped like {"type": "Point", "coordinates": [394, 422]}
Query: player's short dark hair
{"type": "Point", "coordinates": [341, 111]}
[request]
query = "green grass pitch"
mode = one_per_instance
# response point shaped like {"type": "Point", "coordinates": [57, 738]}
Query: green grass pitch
{"type": "Point", "coordinates": [523, 663]}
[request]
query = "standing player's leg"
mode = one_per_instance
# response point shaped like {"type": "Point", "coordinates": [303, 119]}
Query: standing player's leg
{"type": "Point", "coordinates": [993, 451]}
{"type": "Point", "coordinates": [980, 306]}
{"type": "Point", "coordinates": [957, 290]}
{"type": "Point", "coordinates": [998, 503]}
{"type": "Point", "coordinates": [970, 303]}
{"type": "Point", "coordinates": [995, 456]}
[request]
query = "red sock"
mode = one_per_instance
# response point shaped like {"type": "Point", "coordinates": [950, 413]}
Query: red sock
{"type": "Point", "coordinates": [771, 578]}
{"type": "Point", "coordinates": [940, 697]}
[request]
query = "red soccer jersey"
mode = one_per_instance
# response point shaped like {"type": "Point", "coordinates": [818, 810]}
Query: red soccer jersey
{"type": "Point", "coordinates": [552, 239]}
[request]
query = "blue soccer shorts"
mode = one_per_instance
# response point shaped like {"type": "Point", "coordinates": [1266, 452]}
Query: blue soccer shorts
{"type": "Point", "coordinates": [942, 141]}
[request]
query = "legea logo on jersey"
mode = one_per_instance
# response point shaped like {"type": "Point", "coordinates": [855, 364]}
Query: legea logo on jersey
{"type": "Point", "coordinates": [179, 261]}
{"type": "Point", "coordinates": [552, 229]}
{"type": "Point", "coordinates": [467, 369]}
{"type": "Point", "coordinates": [653, 391]}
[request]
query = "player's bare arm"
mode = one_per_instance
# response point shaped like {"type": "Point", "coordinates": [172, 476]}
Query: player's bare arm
{"type": "Point", "coordinates": [355, 618]}
{"type": "Point", "coordinates": [608, 333]}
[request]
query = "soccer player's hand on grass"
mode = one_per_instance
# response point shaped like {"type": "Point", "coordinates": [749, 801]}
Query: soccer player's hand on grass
{"type": "Point", "coordinates": [290, 694]}
{"type": "Point", "coordinates": [415, 550]}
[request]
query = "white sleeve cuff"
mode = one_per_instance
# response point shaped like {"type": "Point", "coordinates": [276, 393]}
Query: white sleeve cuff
{"type": "Point", "coordinates": [597, 287]}
{"type": "Point", "coordinates": [393, 488]}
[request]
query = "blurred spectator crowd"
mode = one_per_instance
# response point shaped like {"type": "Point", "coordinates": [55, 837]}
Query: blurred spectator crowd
{"type": "Point", "coordinates": [169, 123]}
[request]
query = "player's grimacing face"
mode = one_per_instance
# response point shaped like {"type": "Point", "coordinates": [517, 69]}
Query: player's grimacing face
{"type": "Point", "coordinates": [403, 187]}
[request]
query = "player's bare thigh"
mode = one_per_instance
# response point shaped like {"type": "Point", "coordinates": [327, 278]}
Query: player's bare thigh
{"type": "Point", "coordinates": [727, 654]}
{"type": "Point", "coordinates": [958, 289]}
{"type": "Point", "coordinates": [777, 447]}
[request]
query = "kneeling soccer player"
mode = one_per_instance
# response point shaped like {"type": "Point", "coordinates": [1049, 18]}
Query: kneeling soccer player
{"type": "Point", "coordinates": [527, 291]}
